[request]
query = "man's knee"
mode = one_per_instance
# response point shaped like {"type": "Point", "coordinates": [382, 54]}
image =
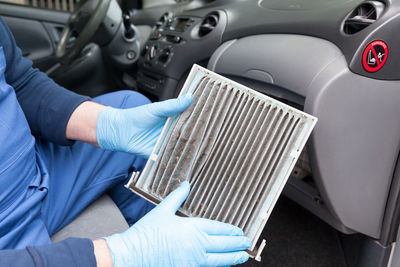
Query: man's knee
{"type": "Point", "coordinates": [122, 99]}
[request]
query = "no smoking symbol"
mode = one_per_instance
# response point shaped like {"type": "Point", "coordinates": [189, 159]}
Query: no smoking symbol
{"type": "Point", "coordinates": [374, 56]}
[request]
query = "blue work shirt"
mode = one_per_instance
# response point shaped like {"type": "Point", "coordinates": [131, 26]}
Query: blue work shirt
{"type": "Point", "coordinates": [47, 108]}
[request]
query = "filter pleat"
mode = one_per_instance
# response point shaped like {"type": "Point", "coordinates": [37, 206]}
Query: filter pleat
{"type": "Point", "coordinates": [277, 122]}
{"type": "Point", "coordinates": [224, 99]}
{"type": "Point", "coordinates": [183, 137]}
{"type": "Point", "coordinates": [161, 164]}
{"type": "Point", "coordinates": [249, 178]}
{"type": "Point", "coordinates": [263, 187]}
{"type": "Point", "coordinates": [220, 114]}
{"type": "Point", "coordinates": [214, 163]}
{"type": "Point", "coordinates": [237, 161]}
{"type": "Point", "coordinates": [197, 127]}
{"type": "Point", "coordinates": [242, 170]}
{"type": "Point", "coordinates": [222, 171]}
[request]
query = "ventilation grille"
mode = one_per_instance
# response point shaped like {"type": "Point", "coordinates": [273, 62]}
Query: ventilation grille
{"type": "Point", "coordinates": [209, 23]}
{"type": "Point", "coordinates": [235, 146]}
{"type": "Point", "coordinates": [363, 16]}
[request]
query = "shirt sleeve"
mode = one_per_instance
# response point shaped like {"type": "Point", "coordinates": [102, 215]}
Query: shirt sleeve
{"type": "Point", "coordinates": [72, 252]}
{"type": "Point", "coordinates": [46, 105]}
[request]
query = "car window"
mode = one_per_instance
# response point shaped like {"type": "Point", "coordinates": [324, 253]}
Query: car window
{"type": "Point", "coordinates": [62, 5]}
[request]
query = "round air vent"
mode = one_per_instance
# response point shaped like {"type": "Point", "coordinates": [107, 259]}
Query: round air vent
{"type": "Point", "coordinates": [363, 16]}
{"type": "Point", "coordinates": [208, 24]}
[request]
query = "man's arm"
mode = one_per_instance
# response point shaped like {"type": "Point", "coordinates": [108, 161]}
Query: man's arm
{"type": "Point", "coordinates": [82, 123]}
{"type": "Point", "coordinates": [46, 105]}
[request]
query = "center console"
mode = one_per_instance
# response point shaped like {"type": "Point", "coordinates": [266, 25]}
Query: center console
{"type": "Point", "coordinates": [175, 44]}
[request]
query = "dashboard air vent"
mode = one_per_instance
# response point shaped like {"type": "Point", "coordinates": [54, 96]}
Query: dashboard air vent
{"type": "Point", "coordinates": [363, 16]}
{"type": "Point", "coordinates": [208, 24]}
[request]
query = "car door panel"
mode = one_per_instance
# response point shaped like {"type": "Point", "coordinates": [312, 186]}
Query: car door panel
{"type": "Point", "coordinates": [33, 13]}
{"type": "Point", "coordinates": [25, 31]}
{"type": "Point", "coordinates": [36, 32]}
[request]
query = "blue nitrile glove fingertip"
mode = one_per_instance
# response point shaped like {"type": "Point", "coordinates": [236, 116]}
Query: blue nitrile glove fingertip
{"type": "Point", "coordinates": [237, 231]}
{"type": "Point", "coordinates": [171, 107]}
{"type": "Point", "coordinates": [186, 100]}
{"type": "Point", "coordinates": [185, 184]}
{"type": "Point", "coordinates": [188, 97]}
{"type": "Point", "coordinates": [247, 242]}
{"type": "Point", "coordinates": [243, 258]}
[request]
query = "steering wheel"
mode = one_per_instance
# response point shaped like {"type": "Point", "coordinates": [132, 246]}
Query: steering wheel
{"type": "Point", "coordinates": [82, 24]}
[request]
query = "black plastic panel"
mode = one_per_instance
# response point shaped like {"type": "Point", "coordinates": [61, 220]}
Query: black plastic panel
{"type": "Point", "coordinates": [39, 14]}
{"type": "Point", "coordinates": [184, 47]}
{"type": "Point", "coordinates": [31, 36]}
{"type": "Point", "coordinates": [323, 19]}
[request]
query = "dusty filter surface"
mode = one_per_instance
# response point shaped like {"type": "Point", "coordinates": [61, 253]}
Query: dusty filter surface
{"type": "Point", "coordinates": [234, 145]}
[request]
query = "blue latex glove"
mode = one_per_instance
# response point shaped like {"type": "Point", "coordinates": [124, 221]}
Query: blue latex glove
{"type": "Point", "coordinates": [136, 130]}
{"type": "Point", "coordinates": [162, 238]}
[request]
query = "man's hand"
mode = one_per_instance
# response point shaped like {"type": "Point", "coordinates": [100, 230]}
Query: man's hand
{"type": "Point", "coordinates": [136, 130]}
{"type": "Point", "coordinates": [162, 238]}
{"type": "Point", "coordinates": [133, 130]}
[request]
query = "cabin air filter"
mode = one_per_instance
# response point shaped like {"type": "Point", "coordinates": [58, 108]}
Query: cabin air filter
{"type": "Point", "coordinates": [234, 145]}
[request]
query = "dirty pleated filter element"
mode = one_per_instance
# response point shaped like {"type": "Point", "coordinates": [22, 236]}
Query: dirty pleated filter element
{"type": "Point", "coordinates": [234, 145]}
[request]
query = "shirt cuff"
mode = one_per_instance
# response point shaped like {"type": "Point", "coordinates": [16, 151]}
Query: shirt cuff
{"type": "Point", "coordinates": [70, 252]}
{"type": "Point", "coordinates": [55, 112]}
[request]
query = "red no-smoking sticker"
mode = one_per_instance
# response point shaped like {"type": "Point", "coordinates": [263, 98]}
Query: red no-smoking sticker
{"type": "Point", "coordinates": [374, 56]}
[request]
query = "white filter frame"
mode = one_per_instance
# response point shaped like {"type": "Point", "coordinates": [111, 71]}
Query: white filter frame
{"type": "Point", "coordinates": [196, 74]}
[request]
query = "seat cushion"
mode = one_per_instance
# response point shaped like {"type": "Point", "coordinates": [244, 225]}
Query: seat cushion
{"type": "Point", "coordinates": [101, 218]}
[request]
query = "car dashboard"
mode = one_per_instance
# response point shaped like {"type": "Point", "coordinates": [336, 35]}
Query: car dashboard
{"type": "Point", "coordinates": [337, 60]}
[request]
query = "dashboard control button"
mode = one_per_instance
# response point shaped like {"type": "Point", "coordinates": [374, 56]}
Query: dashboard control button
{"type": "Point", "coordinates": [177, 39]}
{"type": "Point", "coordinates": [131, 54]}
{"type": "Point", "coordinates": [152, 52]}
{"type": "Point", "coordinates": [163, 58]}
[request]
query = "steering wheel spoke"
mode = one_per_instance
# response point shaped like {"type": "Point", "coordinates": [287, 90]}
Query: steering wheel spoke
{"type": "Point", "coordinates": [83, 25]}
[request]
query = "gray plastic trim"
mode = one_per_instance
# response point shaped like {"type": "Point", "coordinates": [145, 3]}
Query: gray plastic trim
{"type": "Point", "coordinates": [33, 13]}
{"type": "Point", "coordinates": [218, 53]}
{"type": "Point", "coordinates": [144, 32]}
{"type": "Point", "coordinates": [290, 61]}
{"type": "Point", "coordinates": [354, 151]}
{"type": "Point", "coordinates": [354, 147]}
{"type": "Point", "coordinates": [307, 196]}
